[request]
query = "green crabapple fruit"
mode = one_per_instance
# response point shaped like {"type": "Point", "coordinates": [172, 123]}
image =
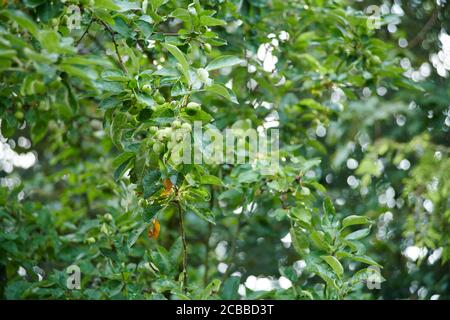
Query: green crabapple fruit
{"type": "Point", "coordinates": [147, 88]}
{"type": "Point", "coordinates": [179, 136]}
{"type": "Point", "coordinates": [153, 129]}
{"type": "Point", "coordinates": [159, 97]}
{"type": "Point", "coordinates": [176, 124]}
{"type": "Point", "coordinates": [186, 126]}
{"type": "Point", "coordinates": [164, 134]}
{"type": "Point", "coordinates": [19, 115]}
{"type": "Point", "coordinates": [158, 147]}
{"type": "Point", "coordinates": [193, 106]}
{"type": "Point", "coordinates": [90, 240]}
{"type": "Point", "coordinates": [203, 75]}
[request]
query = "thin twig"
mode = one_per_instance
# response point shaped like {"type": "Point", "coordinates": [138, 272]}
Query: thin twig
{"type": "Point", "coordinates": [207, 247]}
{"type": "Point", "coordinates": [421, 35]}
{"type": "Point", "coordinates": [97, 42]}
{"type": "Point", "coordinates": [84, 33]}
{"type": "Point", "coordinates": [234, 243]}
{"type": "Point", "coordinates": [116, 47]}
{"type": "Point", "coordinates": [183, 239]}
{"type": "Point", "coordinates": [232, 258]}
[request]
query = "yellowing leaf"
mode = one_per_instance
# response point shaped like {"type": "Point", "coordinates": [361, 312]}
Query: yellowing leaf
{"type": "Point", "coordinates": [153, 231]}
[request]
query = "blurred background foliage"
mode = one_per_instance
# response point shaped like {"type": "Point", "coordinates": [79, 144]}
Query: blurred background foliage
{"type": "Point", "coordinates": [364, 119]}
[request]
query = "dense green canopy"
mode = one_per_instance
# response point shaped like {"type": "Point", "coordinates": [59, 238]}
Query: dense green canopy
{"type": "Point", "coordinates": [350, 201]}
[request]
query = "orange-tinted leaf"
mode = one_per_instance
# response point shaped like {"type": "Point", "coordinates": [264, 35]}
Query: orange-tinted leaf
{"type": "Point", "coordinates": [168, 185]}
{"type": "Point", "coordinates": [153, 231]}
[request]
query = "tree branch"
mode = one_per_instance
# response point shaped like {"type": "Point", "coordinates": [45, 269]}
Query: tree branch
{"type": "Point", "coordinates": [421, 35]}
{"type": "Point", "coordinates": [116, 47]}
{"type": "Point", "coordinates": [84, 33]}
{"type": "Point", "coordinates": [208, 236]}
{"type": "Point", "coordinates": [183, 239]}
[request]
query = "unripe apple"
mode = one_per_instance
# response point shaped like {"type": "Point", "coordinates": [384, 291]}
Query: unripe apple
{"type": "Point", "coordinates": [179, 136]}
{"type": "Point", "coordinates": [159, 98]}
{"type": "Point", "coordinates": [203, 75]}
{"type": "Point", "coordinates": [193, 106]}
{"type": "Point", "coordinates": [186, 127]}
{"type": "Point", "coordinates": [158, 147]}
{"type": "Point", "coordinates": [18, 115]}
{"type": "Point", "coordinates": [134, 110]}
{"type": "Point", "coordinates": [160, 135]}
{"type": "Point", "coordinates": [166, 132]}
{"type": "Point", "coordinates": [147, 88]}
{"type": "Point", "coordinates": [104, 229]}
{"type": "Point", "coordinates": [90, 240]}
{"type": "Point", "coordinates": [176, 124]}
{"type": "Point", "coordinates": [375, 60]}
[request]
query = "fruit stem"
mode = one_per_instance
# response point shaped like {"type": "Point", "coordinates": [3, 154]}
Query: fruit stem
{"type": "Point", "coordinates": [183, 239]}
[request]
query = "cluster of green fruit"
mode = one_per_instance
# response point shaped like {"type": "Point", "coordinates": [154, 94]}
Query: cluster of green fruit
{"type": "Point", "coordinates": [167, 138]}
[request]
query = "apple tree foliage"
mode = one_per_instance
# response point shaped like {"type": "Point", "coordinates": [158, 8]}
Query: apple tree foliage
{"type": "Point", "coordinates": [106, 89]}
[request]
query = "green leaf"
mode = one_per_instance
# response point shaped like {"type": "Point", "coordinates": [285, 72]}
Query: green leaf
{"type": "Point", "coordinates": [223, 91]}
{"type": "Point", "coordinates": [176, 251]}
{"type": "Point", "coordinates": [314, 264]}
{"type": "Point", "coordinates": [135, 234]}
{"type": "Point", "coordinates": [229, 290]}
{"type": "Point", "coordinates": [299, 240]}
{"type": "Point", "coordinates": [354, 220]}
{"type": "Point", "coordinates": [212, 288]}
{"type": "Point", "coordinates": [359, 258]}
{"type": "Point", "coordinates": [151, 183]}
{"type": "Point", "coordinates": [160, 258]}
{"type": "Point", "coordinates": [248, 177]}
{"type": "Point", "coordinates": [140, 161]}
{"type": "Point", "coordinates": [126, 5]}
{"type": "Point", "coordinates": [181, 14]}
{"type": "Point", "coordinates": [151, 211]}
{"type": "Point", "coordinates": [195, 115]}
{"type": "Point", "coordinates": [318, 240]}
{"type": "Point", "coordinates": [180, 57]}
{"type": "Point", "coordinates": [203, 214]}
{"type": "Point", "coordinates": [232, 198]}
{"type": "Point", "coordinates": [109, 254]}
{"type": "Point", "coordinates": [223, 62]}
{"type": "Point", "coordinates": [22, 20]}
{"type": "Point", "coordinates": [49, 40]}
{"type": "Point", "coordinates": [328, 207]}
{"type": "Point", "coordinates": [334, 264]}
{"type": "Point", "coordinates": [210, 179]}
{"type": "Point", "coordinates": [106, 4]}
{"type": "Point", "coordinates": [157, 3]}
{"type": "Point", "coordinates": [115, 75]}
{"type": "Point", "coordinates": [118, 173]}
{"type": "Point", "coordinates": [104, 16]}
{"type": "Point", "coordinates": [118, 123]}
{"type": "Point", "coordinates": [211, 22]}
{"type": "Point", "coordinates": [73, 101]}
{"type": "Point", "coordinates": [357, 235]}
